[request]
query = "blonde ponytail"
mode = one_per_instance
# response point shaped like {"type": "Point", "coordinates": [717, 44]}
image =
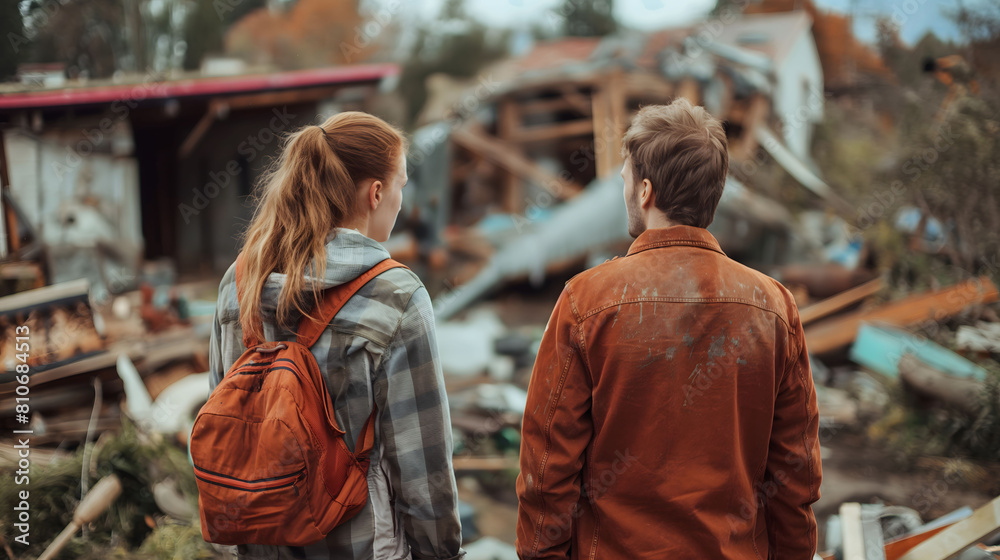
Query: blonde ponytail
{"type": "Point", "coordinates": [308, 191]}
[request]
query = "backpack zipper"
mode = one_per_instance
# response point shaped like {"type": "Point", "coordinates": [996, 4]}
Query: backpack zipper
{"type": "Point", "coordinates": [259, 485]}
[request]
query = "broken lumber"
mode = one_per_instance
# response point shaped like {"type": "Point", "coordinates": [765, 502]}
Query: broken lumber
{"type": "Point", "coordinates": [963, 393]}
{"type": "Point", "coordinates": [844, 299]}
{"type": "Point", "coordinates": [936, 305]}
{"type": "Point", "coordinates": [984, 522]}
{"type": "Point", "coordinates": [506, 157]}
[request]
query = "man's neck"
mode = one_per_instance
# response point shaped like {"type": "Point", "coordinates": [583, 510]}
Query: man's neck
{"type": "Point", "coordinates": [657, 220]}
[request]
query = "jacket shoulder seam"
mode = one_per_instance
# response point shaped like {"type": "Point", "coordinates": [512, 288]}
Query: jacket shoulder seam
{"type": "Point", "coordinates": [743, 301]}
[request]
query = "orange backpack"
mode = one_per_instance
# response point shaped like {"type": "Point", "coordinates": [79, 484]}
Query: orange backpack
{"type": "Point", "coordinates": [271, 463]}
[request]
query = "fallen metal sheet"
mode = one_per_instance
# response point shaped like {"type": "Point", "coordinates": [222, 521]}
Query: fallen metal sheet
{"type": "Point", "coordinates": [799, 170]}
{"type": "Point", "coordinates": [594, 218]}
{"type": "Point", "coordinates": [881, 348]}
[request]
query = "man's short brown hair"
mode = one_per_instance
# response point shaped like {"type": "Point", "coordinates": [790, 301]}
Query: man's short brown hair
{"type": "Point", "coordinates": [682, 150]}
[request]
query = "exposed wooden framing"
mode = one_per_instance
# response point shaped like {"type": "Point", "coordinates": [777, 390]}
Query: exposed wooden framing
{"type": "Point", "coordinates": [508, 125]}
{"type": "Point", "coordinates": [531, 86]}
{"type": "Point", "coordinates": [215, 108]}
{"type": "Point", "coordinates": [609, 123]}
{"type": "Point", "coordinates": [617, 100]}
{"type": "Point", "coordinates": [549, 105]}
{"type": "Point", "coordinates": [572, 95]}
{"type": "Point", "coordinates": [277, 98]}
{"type": "Point", "coordinates": [690, 90]}
{"type": "Point", "coordinates": [833, 304]}
{"type": "Point", "coordinates": [513, 163]}
{"type": "Point", "coordinates": [601, 124]}
{"type": "Point", "coordinates": [220, 106]}
{"type": "Point", "coordinates": [647, 87]}
{"type": "Point", "coordinates": [749, 116]}
{"type": "Point", "coordinates": [566, 129]}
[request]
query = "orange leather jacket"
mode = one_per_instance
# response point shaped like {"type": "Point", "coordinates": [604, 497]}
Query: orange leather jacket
{"type": "Point", "coordinates": [671, 413]}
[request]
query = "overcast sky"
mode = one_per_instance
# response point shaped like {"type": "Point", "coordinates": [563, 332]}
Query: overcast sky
{"type": "Point", "coordinates": [916, 16]}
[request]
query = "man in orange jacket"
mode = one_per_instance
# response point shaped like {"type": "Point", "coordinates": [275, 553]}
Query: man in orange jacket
{"type": "Point", "coordinates": [671, 411]}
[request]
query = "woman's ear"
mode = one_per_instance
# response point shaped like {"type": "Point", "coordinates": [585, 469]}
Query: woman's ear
{"type": "Point", "coordinates": [375, 194]}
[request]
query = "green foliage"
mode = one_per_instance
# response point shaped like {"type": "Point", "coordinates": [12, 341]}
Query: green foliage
{"type": "Point", "coordinates": [588, 18]}
{"type": "Point", "coordinates": [454, 44]}
{"type": "Point", "coordinates": [84, 34]}
{"type": "Point", "coordinates": [953, 171]}
{"type": "Point", "coordinates": [907, 63]}
{"type": "Point", "coordinates": [203, 32]}
{"type": "Point", "coordinates": [914, 431]}
{"type": "Point", "coordinates": [54, 493]}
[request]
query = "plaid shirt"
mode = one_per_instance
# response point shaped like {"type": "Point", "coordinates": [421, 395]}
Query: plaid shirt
{"type": "Point", "coordinates": [380, 348]}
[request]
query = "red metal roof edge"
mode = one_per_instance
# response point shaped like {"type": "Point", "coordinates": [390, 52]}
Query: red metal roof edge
{"type": "Point", "coordinates": [197, 86]}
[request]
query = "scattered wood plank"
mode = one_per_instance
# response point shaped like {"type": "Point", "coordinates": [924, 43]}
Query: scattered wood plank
{"type": "Point", "coordinates": [510, 160]}
{"type": "Point", "coordinates": [49, 296]}
{"type": "Point", "coordinates": [937, 305]}
{"type": "Point", "coordinates": [897, 548]}
{"type": "Point", "coordinates": [850, 522]}
{"type": "Point", "coordinates": [984, 522]}
{"type": "Point", "coordinates": [838, 302]}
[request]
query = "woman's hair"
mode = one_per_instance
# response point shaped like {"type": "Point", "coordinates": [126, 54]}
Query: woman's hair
{"type": "Point", "coordinates": [309, 190]}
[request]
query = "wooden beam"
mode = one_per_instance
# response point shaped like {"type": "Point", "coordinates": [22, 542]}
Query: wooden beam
{"type": "Point", "coordinates": [555, 131]}
{"type": "Point", "coordinates": [618, 109]}
{"type": "Point", "coordinates": [602, 131]}
{"type": "Point", "coordinates": [984, 522]}
{"type": "Point", "coordinates": [275, 98]}
{"type": "Point", "coordinates": [690, 90]}
{"type": "Point", "coordinates": [833, 304]}
{"type": "Point", "coordinates": [576, 100]}
{"type": "Point", "coordinates": [508, 124]}
{"type": "Point", "coordinates": [215, 108]}
{"type": "Point", "coordinates": [644, 86]}
{"type": "Point", "coordinates": [502, 155]}
{"type": "Point", "coordinates": [937, 305]}
{"type": "Point", "coordinates": [220, 105]}
{"type": "Point", "coordinates": [549, 105]}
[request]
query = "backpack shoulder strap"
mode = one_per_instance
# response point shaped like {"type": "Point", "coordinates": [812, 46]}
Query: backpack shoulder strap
{"type": "Point", "coordinates": [334, 299]}
{"type": "Point", "coordinates": [248, 341]}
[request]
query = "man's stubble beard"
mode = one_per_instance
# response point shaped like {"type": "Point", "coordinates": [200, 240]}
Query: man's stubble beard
{"type": "Point", "coordinates": [635, 223]}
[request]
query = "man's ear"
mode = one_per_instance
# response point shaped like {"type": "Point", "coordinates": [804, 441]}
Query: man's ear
{"type": "Point", "coordinates": [375, 194]}
{"type": "Point", "coordinates": [645, 193]}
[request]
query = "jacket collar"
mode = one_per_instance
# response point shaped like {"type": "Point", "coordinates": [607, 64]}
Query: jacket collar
{"type": "Point", "coordinates": [675, 235]}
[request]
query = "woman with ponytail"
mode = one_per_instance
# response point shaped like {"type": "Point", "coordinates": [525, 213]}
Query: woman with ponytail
{"type": "Point", "coordinates": [323, 209]}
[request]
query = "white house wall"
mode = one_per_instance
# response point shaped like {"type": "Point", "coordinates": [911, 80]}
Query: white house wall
{"type": "Point", "coordinates": [46, 174]}
{"type": "Point", "coordinates": [798, 97]}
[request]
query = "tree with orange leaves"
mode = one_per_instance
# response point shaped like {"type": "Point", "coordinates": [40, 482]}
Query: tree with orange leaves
{"type": "Point", "coordinates": [312, 33]}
